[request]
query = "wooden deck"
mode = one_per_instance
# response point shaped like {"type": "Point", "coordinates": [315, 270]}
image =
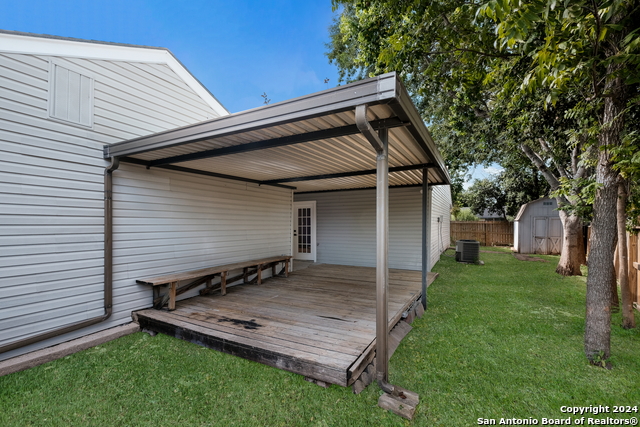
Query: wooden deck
{"type": "Point", "coordinates": [318, 322]}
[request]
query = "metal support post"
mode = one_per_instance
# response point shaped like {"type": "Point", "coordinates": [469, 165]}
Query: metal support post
{"type": "Point", "coordinates": [382, 259]}
{"type": "Point", "coordinates": [426, 234]}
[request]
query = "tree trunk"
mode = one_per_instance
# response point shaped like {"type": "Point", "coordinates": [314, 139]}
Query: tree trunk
{"type": "Point", "coordinates": [628, 319]}
{"type": "Point", "coordinates": [572, 255]}
{"type": "Point", "coordinates": [597, 334]}
{"type": "Point", "coordinates": [573, 251]}
{"type": "Point", "coordinates": [615, 301]}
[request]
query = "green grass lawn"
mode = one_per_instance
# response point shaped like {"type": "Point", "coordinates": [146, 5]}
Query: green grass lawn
{"type": "Point", "coordinates": [502, 340]}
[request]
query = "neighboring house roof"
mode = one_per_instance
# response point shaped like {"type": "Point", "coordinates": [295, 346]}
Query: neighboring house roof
{"type": "Point", "coordinates": [42, 44]}
{"type": "Point", "coordinates": [490, 215]}
{"type": "Point", "coordinates": [314, 142]}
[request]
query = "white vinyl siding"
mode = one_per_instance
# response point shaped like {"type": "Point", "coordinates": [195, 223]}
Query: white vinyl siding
{"type": "Point", "coordinates": [346, 226]}
{"type": "Point", "coordinates": [524, 223]}
{"type": "Point", "coordinates": [440, 230]}
{"type": "Point", "coordinates": [171, 221]}
{"type": "Point", "coordinates": [51, 198]}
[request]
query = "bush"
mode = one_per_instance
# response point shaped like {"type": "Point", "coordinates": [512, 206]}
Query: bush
{"type": "Point", "coordinates": [465, 215]}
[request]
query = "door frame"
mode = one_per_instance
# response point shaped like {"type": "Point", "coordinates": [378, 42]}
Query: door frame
{"type": "Point", "coordinates": [294, 220]}
{"type": "Point", "coordinates": [534, 243]}
{"type": "Point", "coordinates": [554, 242]}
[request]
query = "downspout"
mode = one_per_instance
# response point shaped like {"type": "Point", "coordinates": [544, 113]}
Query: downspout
{"type": "Point", "coordinates": [108, 271]}
{"type": "Point", "coordinates": [380, 144]}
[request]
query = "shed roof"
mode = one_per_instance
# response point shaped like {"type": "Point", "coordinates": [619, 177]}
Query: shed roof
{"type": "Point", "coordinates": [524, 207]}
{"type": "Point", "coordinates": [311, 142]}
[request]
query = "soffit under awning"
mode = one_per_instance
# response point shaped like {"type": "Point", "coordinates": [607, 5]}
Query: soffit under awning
{"type": "Point", "coordinates": [311, 143]}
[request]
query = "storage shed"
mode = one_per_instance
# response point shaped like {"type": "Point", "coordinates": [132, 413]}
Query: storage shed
{"type": "Point", "coordinates": [537, 228]}
{"type": "Point", "coordinates": [117, 165]}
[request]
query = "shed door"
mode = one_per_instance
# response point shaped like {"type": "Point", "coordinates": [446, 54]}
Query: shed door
{"type": "Point", "coordinates": [555, 236]}
{"type": "Point", "coordinates": [540, 235]}
{"type": "Point", "coordinates": [304, 230]}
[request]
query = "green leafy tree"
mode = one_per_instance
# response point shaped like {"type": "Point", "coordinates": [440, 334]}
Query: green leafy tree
{"type": "Point", "coordinates": [550, 81]}
{"type": "Point", "coordinates": [486, 195]}
{"type": "Point", "coordinates": [505, 193]}
{"type": "Point", "coordinates": [465, 85]}
{"type": "Point", "coordinates": [465, 214]}
{"type": "Point", "coordinates": [592, 48]}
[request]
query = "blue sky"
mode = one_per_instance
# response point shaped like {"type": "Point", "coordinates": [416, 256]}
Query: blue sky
{"type": "Point", "coordinates": [481, 172]}
{"type": "Point", "coordinates": [238, 49]}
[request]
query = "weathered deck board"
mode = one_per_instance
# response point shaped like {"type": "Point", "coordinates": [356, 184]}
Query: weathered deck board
{"type": "Point", "coordinates": [319, 322]}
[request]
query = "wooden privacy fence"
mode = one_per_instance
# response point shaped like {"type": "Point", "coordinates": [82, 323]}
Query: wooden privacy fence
{"type": "Point", "coordinates": [633, 246]}
{"type": "Point", "coordinates": [489, 233]}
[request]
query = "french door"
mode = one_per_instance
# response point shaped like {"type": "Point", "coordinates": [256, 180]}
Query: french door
{"type": "Point", "coordinates": [304, 230]}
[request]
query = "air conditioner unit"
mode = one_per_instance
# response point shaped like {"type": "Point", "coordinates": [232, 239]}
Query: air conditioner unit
{"type": "Point", "coordinates": [467, 251]}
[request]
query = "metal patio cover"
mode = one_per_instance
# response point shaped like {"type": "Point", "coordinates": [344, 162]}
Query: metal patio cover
{"type": "Point", "coordinates": [311, 143]}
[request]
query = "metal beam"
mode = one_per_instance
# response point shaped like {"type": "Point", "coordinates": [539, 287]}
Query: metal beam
{"type": "Point", "coordinates": [205, 173]}
{"type": "Point", "coordinates": [406, 110]}
{"type": "Point", "coordinates": [275, 142]}
{"type": "Point", "coordinates": [357, 189]}
{"type": "Point", "coordinates": [346, 174]}
{"type": "Point", "coordinates": [367, 129]}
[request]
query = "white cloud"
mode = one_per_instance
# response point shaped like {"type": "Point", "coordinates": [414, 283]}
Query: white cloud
{"type": "Point", "coordinates": [493, 170]}
{"type": "Point", "coordinates": [480, 172]}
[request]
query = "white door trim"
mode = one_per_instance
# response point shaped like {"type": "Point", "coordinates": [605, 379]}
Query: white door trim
{"type": "Point", "coordinates": [312, 256]}
{"type": "Point", "coordinates": [539, 243]}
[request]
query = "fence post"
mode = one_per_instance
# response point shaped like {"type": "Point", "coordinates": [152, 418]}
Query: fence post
{"type": "Point", "coordinates": [486, 242]}
{"type": "Point", "coordinates": [634, 283]}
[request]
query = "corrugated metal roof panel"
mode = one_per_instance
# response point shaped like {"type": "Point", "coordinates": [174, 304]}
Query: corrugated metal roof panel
{"type": "Point", "coordinates": [303, 137]}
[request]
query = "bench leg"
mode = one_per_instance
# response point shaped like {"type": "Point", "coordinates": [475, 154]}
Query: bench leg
{"type": "Point", "coordinates": [172, 296]}
{"type": "Point", "coordinates": [223, 283]}
{"type": "Point", "coordinates": [273, 269]}
{"type": "Point", "coordinates": [286, 268]}
{"type": "Point", "coordinates": [246, 274]}
{"type": "Point", "coordinates": [259, 274]}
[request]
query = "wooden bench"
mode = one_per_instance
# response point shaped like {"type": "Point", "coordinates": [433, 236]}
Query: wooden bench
{"type": "Point", "coordinates": [206, 275]}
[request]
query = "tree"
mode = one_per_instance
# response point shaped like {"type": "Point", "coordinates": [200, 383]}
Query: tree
{"type": "Point", "coordinates": [479, 72]}
{"type": "Point", "coordinates": [594, 45]}
{"type": "Point", "coordinates": [464, 84]}
{"type": "Point", "coordinates": [627, 159]}
{"type": "Point", "coordinates": [554, 138]}
{"type": "Point", "coordinates": [506, 192]}
{"type": "Point", "coordinates": [486, 195]}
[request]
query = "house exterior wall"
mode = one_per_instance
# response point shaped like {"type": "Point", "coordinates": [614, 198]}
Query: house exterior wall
{"type": "Point", "coordinates": [51, 209]}
{"type": "Point", "coordinates": [171, 221]}
{"type": "Point", "coordinates": [440, 230]}
{"type": "Point", "coordinates": [523, 224]}
{"type": "Point", "coordinates": [346, 226]}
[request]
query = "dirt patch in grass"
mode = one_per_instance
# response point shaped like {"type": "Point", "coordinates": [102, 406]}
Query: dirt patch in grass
{"type": "Point", "coordinates": [523, 257]}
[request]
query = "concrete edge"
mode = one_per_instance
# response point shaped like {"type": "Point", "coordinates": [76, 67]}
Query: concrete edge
{"type": "Point", "coordinates": [39, 357]}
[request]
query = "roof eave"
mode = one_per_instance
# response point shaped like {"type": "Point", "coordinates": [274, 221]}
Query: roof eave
{"type": "Point", "coordinates": [386, 89]}
{"type": "Point", "coordinates": [45, 44]}
{"type": "Point", "coordinates": [342, 98]}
